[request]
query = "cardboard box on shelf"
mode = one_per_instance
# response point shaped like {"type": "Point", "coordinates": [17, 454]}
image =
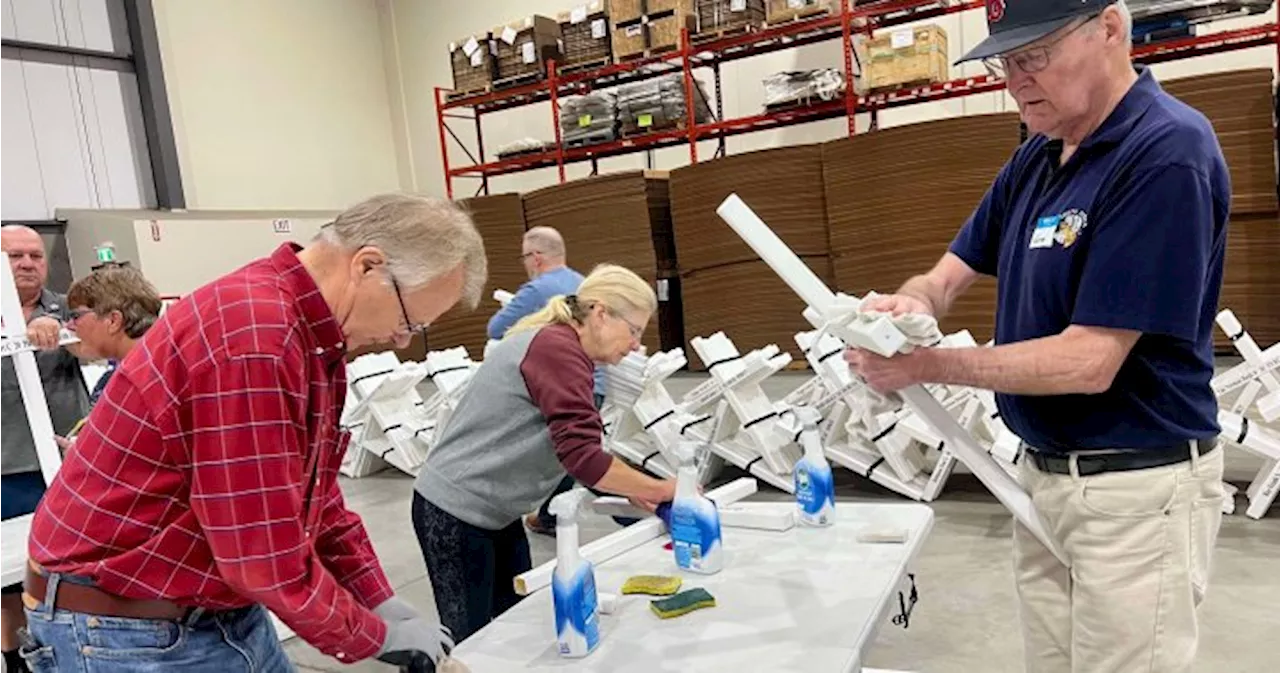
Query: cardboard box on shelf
{"type": "Point", "coordinates": [722, 17]}
{"type": "Point", "coordinates": [471, 59]}
{"type": "Point", "coordinates": [621, 11]}
{"type": "Point", "coordinates": [521, 49]}
{"type": "Point", "coordinates": [904, 56]}
{"type": "Point", "coordinates": [648, 36]}
{"type": "Point", "coordinates": [585, 35]}
{"type": "Point", "coordinates": [782, 11]}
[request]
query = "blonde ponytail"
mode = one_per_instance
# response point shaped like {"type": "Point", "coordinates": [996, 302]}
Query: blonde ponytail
{"type": "Point", "coordinates": [556, 312]}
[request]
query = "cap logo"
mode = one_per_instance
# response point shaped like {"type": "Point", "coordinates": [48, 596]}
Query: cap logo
{"type": "Point", "coordinates": [995, 10]}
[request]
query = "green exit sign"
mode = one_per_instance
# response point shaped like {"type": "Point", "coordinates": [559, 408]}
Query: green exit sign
{"type": "Point", "coordinates": [106, 254]}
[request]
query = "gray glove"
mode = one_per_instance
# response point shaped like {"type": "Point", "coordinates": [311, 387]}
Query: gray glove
{"type": "Point", "coordinates": [409, 639]}
{"type": "Point", "coordinates": [395, 609]}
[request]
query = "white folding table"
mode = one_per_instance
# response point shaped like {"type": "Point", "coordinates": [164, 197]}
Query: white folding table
{"type": "Point", "coordinates": [807, 599]}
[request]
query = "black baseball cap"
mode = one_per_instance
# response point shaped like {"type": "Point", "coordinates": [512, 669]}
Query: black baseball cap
{"type": "Point", "coordinates": [1017, 23]}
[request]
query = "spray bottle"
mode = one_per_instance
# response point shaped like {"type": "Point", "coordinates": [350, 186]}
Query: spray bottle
{"type": "Point", "coordinates": [815, 484]}
{"type": "Point", "coordinates": [573, 583]}
{"type": "Point", "coordinates": [694, 520]}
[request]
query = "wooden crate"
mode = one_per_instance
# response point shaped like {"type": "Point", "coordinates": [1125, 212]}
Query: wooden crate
{"type": "Point", "coordinates": [585, 34]}
{"type": "Point", "coordinates": [639, 37]}
{"type": "Point", "coordinates": [907, 56]}
{"type": "Point", "coordinates": [621, 11]}
{"type": "Point", "coordinates": [717, 18]}
{"type": "Point", "coordinates": [521, 49]}
{"type": "Point", "coordinates": [783, 11]}
{"type": "Point", "coordinates": [473, 64]}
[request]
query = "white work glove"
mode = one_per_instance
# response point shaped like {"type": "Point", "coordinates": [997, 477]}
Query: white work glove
{"type": "Point", "coordinates": [412, 643]}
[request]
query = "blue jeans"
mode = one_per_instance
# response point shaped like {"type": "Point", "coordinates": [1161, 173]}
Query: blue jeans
{"type": "Point", "coordinates": [233, 641]}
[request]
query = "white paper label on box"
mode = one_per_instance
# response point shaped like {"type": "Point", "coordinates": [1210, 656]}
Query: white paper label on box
{"type": "Point", "coordinates": [477, 59]}
{"type": "Point", "coordinates": [527, 52]}
{"type": "Point", "coordinates": [598, 29]}
{"type": "Point", "coordinates": [470, 46]}
{"type": "Point", "coordinates": [453, 46]}
{"type": "Point", "coordinates": [578, 14]}
{"type": "Point", "coordinates": [664, 290]}
{"type": "Point", "coordinates": [508, 35]}
{"type": "Point", "coordinates": [633, 31]}
{"type": "Point", "coordinates": [902, 38]}
{"type": "Point", "coordinates": [795, 4]}
{"type": "Point", "coordinates": [737, 5]}
{"type": "Point", "coordinates": [281, 226]}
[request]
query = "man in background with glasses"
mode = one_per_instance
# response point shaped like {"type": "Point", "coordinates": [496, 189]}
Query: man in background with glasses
{"type": "Point", "coordinates": [1106, 232]}
{"type": "Point", "coordinates": [203, 487]}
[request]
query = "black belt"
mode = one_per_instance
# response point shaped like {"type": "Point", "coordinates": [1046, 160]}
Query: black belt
{"type": "Point", "coordinates": [1089, 463]}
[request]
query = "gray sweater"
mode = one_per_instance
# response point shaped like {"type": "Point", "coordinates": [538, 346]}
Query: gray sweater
{"type": "Point", "coordinates": [526, 418]}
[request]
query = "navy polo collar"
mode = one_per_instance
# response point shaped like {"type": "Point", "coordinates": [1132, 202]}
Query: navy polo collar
{"type": "Point", "coordinates": [1120, 122]}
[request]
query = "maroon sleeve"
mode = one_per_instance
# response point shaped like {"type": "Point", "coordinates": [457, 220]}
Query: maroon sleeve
{"type": "Point", "coordinates": [560, 377]}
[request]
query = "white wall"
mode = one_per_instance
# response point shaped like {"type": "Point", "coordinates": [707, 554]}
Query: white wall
{"type": "Point", "coordinates": [278, 103]}
{"type": "Point", "coordinates": [423, 29]}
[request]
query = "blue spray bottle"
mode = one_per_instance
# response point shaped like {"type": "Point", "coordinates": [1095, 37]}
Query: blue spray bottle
{"type": "Point", "coordinates": [694, 519]}
{"type": "Point", "coordinates": [814, 481]}
{"type": "Point", "coordinates": [573, 583]}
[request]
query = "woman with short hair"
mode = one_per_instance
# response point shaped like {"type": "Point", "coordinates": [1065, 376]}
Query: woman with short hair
{"type": "Point", "coordinates": [527, 417]}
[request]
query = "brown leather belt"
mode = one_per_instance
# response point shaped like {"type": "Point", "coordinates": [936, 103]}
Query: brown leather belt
{"type": "Point", "coordinates": [94, 601]}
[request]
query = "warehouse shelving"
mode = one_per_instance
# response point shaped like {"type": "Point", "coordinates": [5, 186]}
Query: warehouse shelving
{"type": "Point", "coordinates": [711, 54]}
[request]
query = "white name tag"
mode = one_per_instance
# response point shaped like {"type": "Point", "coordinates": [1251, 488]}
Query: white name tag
{"type": "Point", "coordinates": [1042, 237]}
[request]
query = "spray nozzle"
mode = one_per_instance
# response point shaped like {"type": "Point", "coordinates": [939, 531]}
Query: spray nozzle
{"type": "Point", "coordinates": [809, 417]}
{"type": "Point", "coordinates": [565, 506]}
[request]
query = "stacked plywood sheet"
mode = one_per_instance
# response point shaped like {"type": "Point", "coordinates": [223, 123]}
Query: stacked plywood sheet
{"type": "Point", "coordinates": [783, 186]}
{"type": "Point", "coordinates": [500, 219]}
{"type": "Point", "coordinates": [1239, 105]}
{"type": "Point", "coordinates": [896, 198]}
{"type": "Point", "coordinates": [622, 218]}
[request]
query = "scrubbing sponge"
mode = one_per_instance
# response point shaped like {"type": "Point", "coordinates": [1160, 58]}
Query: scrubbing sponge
{"type": "Point", "coordinates": [653, 585]}
{"type": "Point", "coordinates": [683, 603]}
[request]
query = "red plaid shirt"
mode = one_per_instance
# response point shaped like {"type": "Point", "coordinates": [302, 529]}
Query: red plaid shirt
{"type": "Point", "coordinates": [207, 472]}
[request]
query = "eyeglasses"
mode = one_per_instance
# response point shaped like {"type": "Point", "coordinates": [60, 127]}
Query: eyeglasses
{"type": "Point", "coordinates": [410, 326]}
{"type": "Point", "coordinates": [1030, 60]}
{"type": "Point", "coordinates": [636, 331]}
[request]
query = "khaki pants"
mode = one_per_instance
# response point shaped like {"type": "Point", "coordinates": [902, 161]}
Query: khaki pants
{"type": "Point", "coordinates": [1140, 545]}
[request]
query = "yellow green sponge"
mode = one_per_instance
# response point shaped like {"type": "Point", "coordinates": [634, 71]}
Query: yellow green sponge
{"type": "Point", "coordinates": [653, 585]}
{"type": "Point", "coordinates": [683, 603]}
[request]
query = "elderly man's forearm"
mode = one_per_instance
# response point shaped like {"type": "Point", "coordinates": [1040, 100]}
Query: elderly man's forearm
{"type": "Point", "coordinates": [1036, 367]}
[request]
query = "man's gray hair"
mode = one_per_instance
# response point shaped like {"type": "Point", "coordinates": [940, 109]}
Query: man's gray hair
{"type": "Point", "coordinates": [423, 238]}
{"type": "Point", "coordinates": [547, 241]}
{"type": "Point", "coordinates": [1126, 20]}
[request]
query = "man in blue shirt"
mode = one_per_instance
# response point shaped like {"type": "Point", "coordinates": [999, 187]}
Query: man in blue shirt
{"type": "Point", "coordinates": [544, 258]}
{"type": "Point", "coordinates": [1106, 232]}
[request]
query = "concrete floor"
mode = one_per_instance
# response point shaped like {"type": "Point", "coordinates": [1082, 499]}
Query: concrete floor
{"type": "Point", "coordinates": [966, 619]}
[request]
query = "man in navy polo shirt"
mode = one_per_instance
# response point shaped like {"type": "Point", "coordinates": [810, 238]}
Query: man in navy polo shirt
{"type": "Point", "coordinates": [1106, 232]}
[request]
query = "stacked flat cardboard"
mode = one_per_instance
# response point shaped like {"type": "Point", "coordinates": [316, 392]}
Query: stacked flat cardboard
{"type": "Point", "coordinates": [716, 17]}
{"type": "Point", "coordinates": [782, 11]}
{"type": "Point", "coordinates": [500, 220]}
{"type": "Point", "coordinates": [620, 218]}
{"type": "Point", "coordinates": [783, 186]}
{"type": "Point", "coordinates": [749, 303]}
{"type": "Point", "coordinates": [521, 48]}
{"type": "Point", "coordinates": [1238, 104]}
{"type": "Point", "coordinates": [896, 198]}
{"type": "Point", "coordinates": [648, 27]}
{"type": "Point", "coordinates": [585, 30]}
{"type": "Point", "coordinates": [473, 64]}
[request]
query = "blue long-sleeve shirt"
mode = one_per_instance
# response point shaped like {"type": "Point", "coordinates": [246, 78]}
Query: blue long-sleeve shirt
{"type": "Point", "coordinates": [531, 297]}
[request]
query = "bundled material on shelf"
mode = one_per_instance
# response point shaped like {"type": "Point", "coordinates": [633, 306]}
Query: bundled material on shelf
{"type": "Point", "coordinates": [500, 220]}
{"type": "Point", "coordinates": [620, 218]}
{"type": "Point", "coordinates": [1172, 13]}
{"type": "Point", "coordinates": [523, 146]}
{"type": "Point", "coordinates": [783, 184]}
{"type": "Point", "coordinates": [745, 300]}
{"type": "Point", "coordinates": [1238, 104]}
{"type": "Point", "coordinates": [896, 198]}
{"type": "Point", "coordinates": [648, 27]}
{"type": "Point", "coordinates": [907, 56]}
{"type": "Point", "coordinates": [782, 11]}
{"type": "Point", "coordinates": [626, 10]}
{"type": "Point", "coordinates": [522, 48]}
{"type": "Point", "coordinates": [724, 17]}
{"type": "Point", "coordinates": [659, 104]}
{"type": "Point", "coordinates": [589, 119]}
{"type": "Point", "coordinates": [800, 88]}
{"type": "Point", "coordinates": [584, 31]}
{"type": "Point", "coordinates": [473, 63]}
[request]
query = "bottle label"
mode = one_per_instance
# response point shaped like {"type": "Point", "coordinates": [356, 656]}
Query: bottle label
{"type": "Point", "coordinates": [815, 492]}
{"type": "Point", "coordinates": [576, 611]}
{"type": "Point", "coordinates": [693, 535]}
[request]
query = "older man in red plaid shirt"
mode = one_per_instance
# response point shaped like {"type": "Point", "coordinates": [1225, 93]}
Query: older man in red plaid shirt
{"type": "Point", "coordinates": [204, 485]}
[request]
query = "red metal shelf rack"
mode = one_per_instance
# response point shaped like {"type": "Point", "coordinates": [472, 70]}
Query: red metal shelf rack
{"type": "Point", "coordinates": [711, 54]}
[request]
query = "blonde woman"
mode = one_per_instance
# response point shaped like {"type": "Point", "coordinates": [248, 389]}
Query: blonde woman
{"type": "Point", "coordinates": [526, 419]}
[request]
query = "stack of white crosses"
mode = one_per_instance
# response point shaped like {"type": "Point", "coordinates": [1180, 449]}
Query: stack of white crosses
{"type": "Point", "coordinates": [1249, 412]}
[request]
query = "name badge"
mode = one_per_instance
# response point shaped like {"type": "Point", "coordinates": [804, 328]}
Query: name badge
{"type": "Point", "coordinates": [1042, 237]}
